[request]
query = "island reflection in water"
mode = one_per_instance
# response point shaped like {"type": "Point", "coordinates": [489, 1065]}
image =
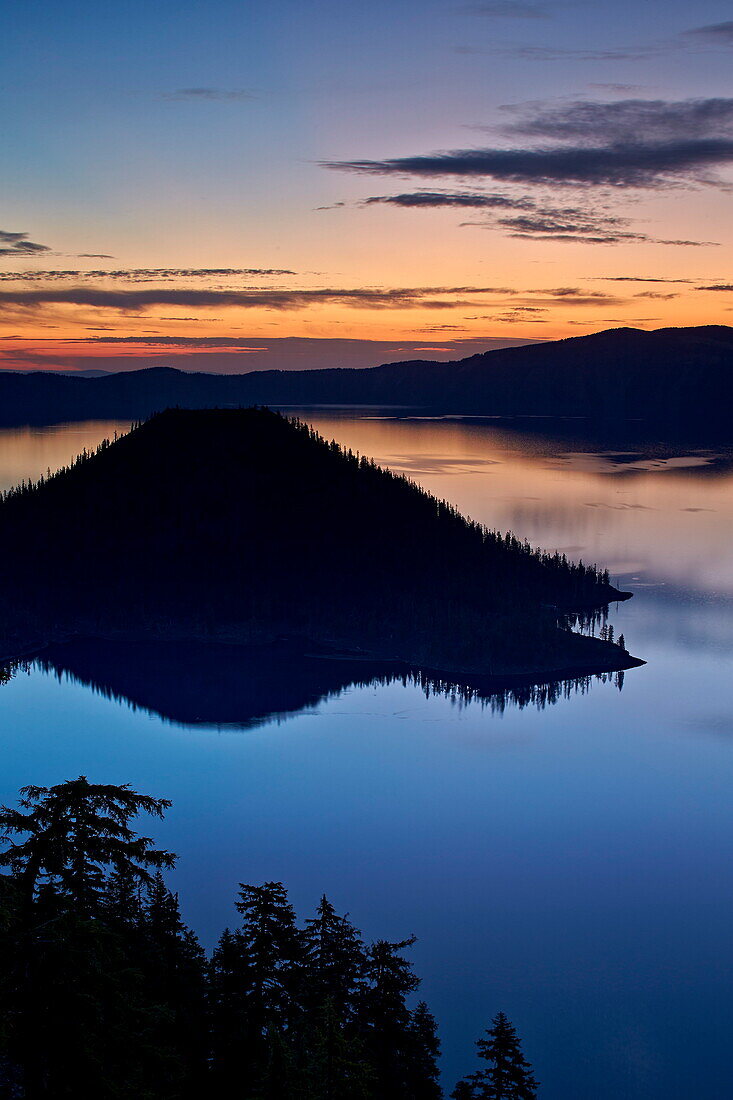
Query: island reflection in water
{"type": "Point", "coordinates": [226, 686]}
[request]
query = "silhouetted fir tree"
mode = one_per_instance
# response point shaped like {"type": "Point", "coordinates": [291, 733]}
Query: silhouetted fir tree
{"type": "Point", "coordinates": [385, 1017]}
{"type": "Point", "coordinates": [122, 902]}
{"type": "Point", "coordinates": [334, 960]}
{"type": "Point", "coordinates": [274, 949]}
{"type": "Point", "coordinates": [10, 1071]}
{"type": "Point", "coordinates": [281, 1074]}
{"type": "Point", "coordinates": [463, 1091]}
{"type": "Point", "coordinates": [257, 975]}
{"type": "Point", "coordinates": [507, 1076]}
{"type": "Point", "coordinates": [75, 990]}
{"type": "Point", "coordinates": [75, 832]}
{"type": "Point", "coordinates": [233, 1053]}
{"type": "Point", "coordinates": [334, 979]}
{"type": "Point", "coordinates": [336, 1064]}
{"type": "Point", "coordinates": [423, 1075]}
{"type": "Point", "coordinates": [174, 969]}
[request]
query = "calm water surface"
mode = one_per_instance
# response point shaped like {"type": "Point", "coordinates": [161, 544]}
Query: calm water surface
{"type": "Point", "coordinates": [572, 865]}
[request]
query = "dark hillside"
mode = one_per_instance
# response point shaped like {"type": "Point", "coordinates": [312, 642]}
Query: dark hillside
{"type": "Point", "coordinates": [244, 526]}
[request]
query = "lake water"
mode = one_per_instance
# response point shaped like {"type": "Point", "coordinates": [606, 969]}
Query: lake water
{"type": "Point", "coordinates": [571, 865]}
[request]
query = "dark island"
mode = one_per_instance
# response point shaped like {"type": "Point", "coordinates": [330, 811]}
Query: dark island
{"type": "Point", "coordinates": [679, 377]}
{"type": "Point", "coordinates": [241, 526]}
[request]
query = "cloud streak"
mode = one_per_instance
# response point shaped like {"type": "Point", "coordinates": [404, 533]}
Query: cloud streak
{"type": "Point", "coordinates": [720, 34]}
{"type": "Point", "coordinates": [17, 244]}
{"type": "Point", "coordinates": [142, 274]}
{"type": "Point", "coordinates": [507, 9]}
{"type": "Point", "coordinates": [626, 121]}
{"type": "Point", "coordinates": [621, 165]}
{"type": "Point", "coordinates": [457, 199]}
{"type": "Point", "coordinates": [210, 95]}
{"type": "Point", "coordinates": [636, 279]}
{"type": "Point", "coordinates": [134, 301]}
{"type": "Point", "coordinates": [625, 144]}
{"type": "Point", "coordinates": [534, 222]}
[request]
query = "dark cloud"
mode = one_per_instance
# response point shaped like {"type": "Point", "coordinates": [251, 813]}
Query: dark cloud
{"type": "Point", "coordinates": [713, 34]}
{"type": "Point", "coordinates": [657, 294]}
{"type": "Point", "coordinates": [304, 343]}
{"type": "Point", "coordinates": [622, 321]}
{"type": "Point", "coordinates": [94, 256]}
{"type": "Point", "coordinates": [630, 165]}
{"type": "Point", "coordinates": [136, 300]}
{"type": "Point", "coordinates": [209, 94]}
{"type": "Point", "coordinates": [628, 121]}
{"type": "Point", "coordinates": [578, 297]}
{"type": "Point", "coordinates": [17, 244]}
{"type": "Point", "coordinates": [460, 199]}
{"type": "Point", "coordinates": [243, 343]}
{"type": "Point", "coordinates": [175, 341]}
{"type": "Point", "coordinates": [517, 315]}
{"type": "Point", "coordinates": [619, 88]}
{"type": "Point", "coordinates": [622, 165]}
{"type": "Point", "coordinates": [536, 222]}
{"type": "Point", "coordinates": [507, 9]}
{"type": "Point", "coordinates": [625, 144]}
{"type": "Point", "coordinates": [719, 33]}
{"type": "Point", "coordinates": [567, 53]}
{"type": "Point", "coordinates": [571, 224]}
{"type": "Point", "coordinates": [717, 286]}
{"type": "Point", "coordinates": [142, 274]}
{"type": "Point", "coordinates": [572, 295]}
{"type": "Point", "coordinates": [635, 279]}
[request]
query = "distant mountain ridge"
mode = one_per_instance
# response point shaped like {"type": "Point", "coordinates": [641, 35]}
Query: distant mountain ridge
{"type": "Point", "coordinates": [672, 374]}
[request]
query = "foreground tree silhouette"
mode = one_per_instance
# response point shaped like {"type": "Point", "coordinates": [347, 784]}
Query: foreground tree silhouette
{"type": "Point", "coordinates": [508, 1076]}
{"type": "Point", "coordinates": [256, 975]}
{"type": "Point", "coordinates": [105, 992]}
{"type": "Point", "coordinates": [75, 990]}
{"type": "Point", "coordinates": [334, 956]}
{"type": "Point", "coordinates": [75, 833]}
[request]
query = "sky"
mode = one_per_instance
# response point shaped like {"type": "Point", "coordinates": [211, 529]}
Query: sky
{"type": "Point", "coordinates": [236, 185]}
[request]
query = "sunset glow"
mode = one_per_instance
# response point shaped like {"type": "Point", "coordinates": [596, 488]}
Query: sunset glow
{"type": "Point", "coordinates": [191, 187]}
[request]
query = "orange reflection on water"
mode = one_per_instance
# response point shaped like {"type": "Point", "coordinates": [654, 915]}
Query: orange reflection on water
{"type": "Point", "coordinates": [656, 514]}
{"type": "Point", "coordinates": [29, 453]}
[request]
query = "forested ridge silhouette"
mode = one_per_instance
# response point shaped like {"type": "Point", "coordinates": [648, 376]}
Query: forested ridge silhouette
{"type": "Point", "coordinates": [245, 526]}
{"type": "Point", "coordinates": [106, 993]}
{"type": "Point", "coordinates": [682, 377]}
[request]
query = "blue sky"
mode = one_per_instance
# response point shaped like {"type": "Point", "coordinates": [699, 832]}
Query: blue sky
{"type": "Point", "coordinates": [194, 135]}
